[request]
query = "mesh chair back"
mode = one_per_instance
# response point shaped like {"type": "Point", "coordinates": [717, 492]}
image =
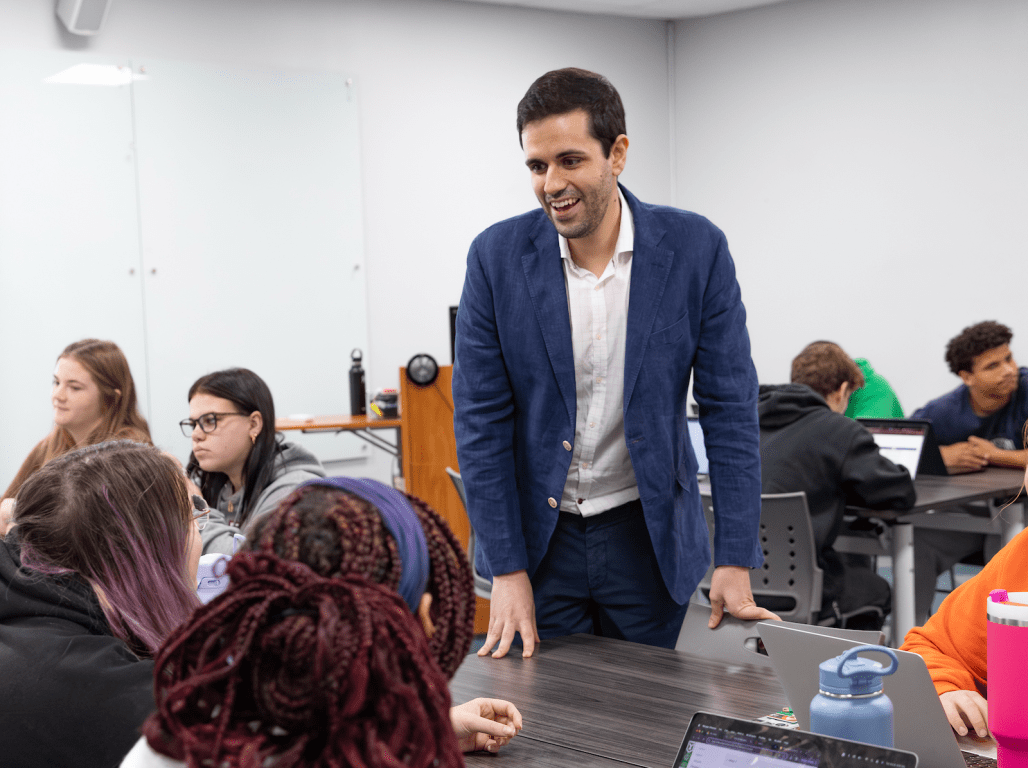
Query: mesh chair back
{"type": "Point", "coordinates": [790, 581]}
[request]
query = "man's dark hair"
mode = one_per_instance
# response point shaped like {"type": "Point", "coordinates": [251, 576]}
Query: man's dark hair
{"type": "Point", "coordinates": [972, 341]}
{"type": "Point", "coordinates": [824, 367]}
{"type": "Point", "coordinates": [566, 90]}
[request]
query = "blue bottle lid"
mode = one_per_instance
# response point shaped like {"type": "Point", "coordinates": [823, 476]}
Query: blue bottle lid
{"type": "Point", "coordinates": [849, 675]}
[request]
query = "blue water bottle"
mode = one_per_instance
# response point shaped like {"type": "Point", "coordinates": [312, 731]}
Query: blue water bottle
{"type": "Point", "coordinates": [851, 703]}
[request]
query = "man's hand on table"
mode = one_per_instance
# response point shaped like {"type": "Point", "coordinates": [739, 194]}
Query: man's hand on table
{"type": "Point", "coordinates": [511, 609]}
{"type": "Point", "coordinates": [730, 591]}
{"type": "Point", "coordinates": [485, 725]}
{"type": "Point", "coordinates": [965, 708]}
{"type": "Point", "coordinates": [967, 456]}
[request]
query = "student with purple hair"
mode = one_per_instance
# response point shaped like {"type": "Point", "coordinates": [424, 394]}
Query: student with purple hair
{"type": "Point", "coordinates": [98, 570]}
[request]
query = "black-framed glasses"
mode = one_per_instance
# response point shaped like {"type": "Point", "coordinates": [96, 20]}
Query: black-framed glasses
{"type": "Point", "coordinates": [207, 423]}
{"type": "Point", "coordinates": [201, 512]}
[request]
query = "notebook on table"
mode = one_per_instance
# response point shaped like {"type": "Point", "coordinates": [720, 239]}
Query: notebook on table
{"type": "Point", "coordinates": [919, 723]}
{"type": "Point", "coordinates": [715, 741]}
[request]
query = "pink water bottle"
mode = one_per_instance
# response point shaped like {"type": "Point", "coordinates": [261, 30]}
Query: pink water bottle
{"type": "Point", "coordinates": [1008, 679]}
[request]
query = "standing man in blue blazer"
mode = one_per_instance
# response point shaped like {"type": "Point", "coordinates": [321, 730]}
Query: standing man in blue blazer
{"type": "Point", "coordinates": [578, 330]}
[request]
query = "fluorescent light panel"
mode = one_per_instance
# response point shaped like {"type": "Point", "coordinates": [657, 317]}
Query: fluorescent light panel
{"type": "Point", "coordinates": [95, 74]}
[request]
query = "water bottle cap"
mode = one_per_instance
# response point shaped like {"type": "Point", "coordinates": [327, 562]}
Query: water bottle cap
{"type": "Point", "coordinates": [356, 356]}
{"type": "Point", "coordinates": [850, 675]}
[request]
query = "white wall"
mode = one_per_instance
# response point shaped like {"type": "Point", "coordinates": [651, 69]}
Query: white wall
{"type": "Point", "coordinates": [867, 160]}
{"type": "Point", "coordinates": [438, 84]}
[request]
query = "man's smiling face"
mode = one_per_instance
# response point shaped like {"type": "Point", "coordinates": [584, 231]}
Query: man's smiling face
{"type": "Point", "coordinates": [575, 183]}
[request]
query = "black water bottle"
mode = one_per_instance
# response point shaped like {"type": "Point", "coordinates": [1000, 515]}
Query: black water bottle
{"type": "Point", "coordinates": [358, 396]}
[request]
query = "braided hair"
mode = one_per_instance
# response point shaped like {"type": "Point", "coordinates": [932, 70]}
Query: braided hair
{"type": "Point", "coordinates": [335, 532]}
{"type": "Point", "coordinates": [304, 670]}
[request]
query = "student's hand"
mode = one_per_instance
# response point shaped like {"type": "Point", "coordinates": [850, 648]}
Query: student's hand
{"type": "Point", "coordinates": [511, 609]}
{"type": "Point", "coordinates": [6, 516]}
{"type": "Point", "coordinates": [965, 456]}
{"type": "Point", "coordinates": [730, 591]}
{"type": "Point", "coordinates": [485, 725]}
{"type": "Point", "coordinates": [965, 708]}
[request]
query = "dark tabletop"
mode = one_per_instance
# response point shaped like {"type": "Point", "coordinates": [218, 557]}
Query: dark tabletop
{"type": "Point", "coordinates": [589, 701]}
{"type": "Point", "coordinates": [940, 492]}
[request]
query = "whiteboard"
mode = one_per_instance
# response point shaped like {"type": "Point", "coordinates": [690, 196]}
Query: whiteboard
{"type": "Point", "coordinates": [201, 217]}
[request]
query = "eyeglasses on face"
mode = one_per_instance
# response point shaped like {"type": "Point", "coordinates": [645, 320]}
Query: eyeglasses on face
{"type": "Point", "coordinates": [201, 512]}
{"type": "Point", "coordinates": [207, 423]}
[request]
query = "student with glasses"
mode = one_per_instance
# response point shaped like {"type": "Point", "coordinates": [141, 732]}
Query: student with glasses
{"type": "Point", "coordinates": [99, 569]}
{"type": "Point", "coordinates": [241, 466]}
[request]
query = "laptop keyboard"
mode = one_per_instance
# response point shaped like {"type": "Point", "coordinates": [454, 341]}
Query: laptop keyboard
{"type": "Point", "coordinates": [978, 761]}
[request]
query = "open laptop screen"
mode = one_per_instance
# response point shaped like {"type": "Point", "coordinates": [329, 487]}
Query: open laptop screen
{"type": "Point", "coordinates": [901, 443]}
{"type": "Point", "coordinates": [714, 741]}
{"type": "Point", "coordinates": [696, 438]}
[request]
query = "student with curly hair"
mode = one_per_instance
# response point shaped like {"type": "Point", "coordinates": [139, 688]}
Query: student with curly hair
{"type": "Point", "coordinates": [291, 668]}
{"type": "Point", "coordinates": [343, 525]}
{"type": "Point", "coordinates": [980, 422]}
{"type": "Point", "coordinates": [98, 570]}
{"type": "Point", "coordinates": [977, 424]}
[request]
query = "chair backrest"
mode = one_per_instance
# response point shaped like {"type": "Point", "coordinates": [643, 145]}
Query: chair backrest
{"type": "Point", "coordinates": [733, 641]}
{"type": "Point", "coordinates": [790, 582]}
{"type": "Point", "coordinates": [790, 567]}
{"type": "Point", "coordinates": [483, 587]}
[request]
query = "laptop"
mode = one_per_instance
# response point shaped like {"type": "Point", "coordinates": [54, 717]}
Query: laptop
{"type": "Point", "coordinates": [909, 443]}
{"type": "Point", "coordinates": [698, 448]}
{"type": "Point", "coordinates": [715, 741]}
{"type": "Point", "coordinates": [920, 725]}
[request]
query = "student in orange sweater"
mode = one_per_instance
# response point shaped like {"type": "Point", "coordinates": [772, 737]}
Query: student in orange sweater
{"type": "Point", "coordinates": [952, 641]}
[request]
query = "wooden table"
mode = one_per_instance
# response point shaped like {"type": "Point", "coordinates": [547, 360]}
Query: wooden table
{"type": "Point", "coordinates": [934, 496]}
{"type": "Point", "coordinates": [591, 701]}
{"type": "Point", "coordinates": [360, 426]}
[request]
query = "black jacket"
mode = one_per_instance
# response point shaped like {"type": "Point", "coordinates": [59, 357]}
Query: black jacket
{"type": "Point", "coordinates": [71, 694]}
{"type": "Point", "coordinates": [805, 446]}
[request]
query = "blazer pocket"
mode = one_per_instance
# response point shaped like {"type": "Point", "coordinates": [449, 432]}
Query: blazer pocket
{"type": "Point", "coordinates": [672, 333]}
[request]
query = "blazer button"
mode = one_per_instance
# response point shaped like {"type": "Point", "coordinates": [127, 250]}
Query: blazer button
{"type": "Point", "coordinates": [567, 446]}
{"type": "Point", "coordinates": [552, 502]}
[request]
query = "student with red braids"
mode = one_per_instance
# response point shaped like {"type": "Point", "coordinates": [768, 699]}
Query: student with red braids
{"type": "Point", "coordinates": [293, 669]}
{"type": "Point", "coordinates": [340, 525]}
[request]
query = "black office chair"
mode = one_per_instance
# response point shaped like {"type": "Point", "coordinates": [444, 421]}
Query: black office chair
{"type": "Point", "coordinates": [483, 587]}
{"type": "Point", "coordinates": [790, 582]}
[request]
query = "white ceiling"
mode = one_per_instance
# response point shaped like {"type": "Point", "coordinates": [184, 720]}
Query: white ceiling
{"type": "Point", "coordinates": [645, 9]}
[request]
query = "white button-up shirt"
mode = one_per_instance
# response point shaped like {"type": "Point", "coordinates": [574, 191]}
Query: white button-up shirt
{"type": "Point", "coordinates": [601, 475]}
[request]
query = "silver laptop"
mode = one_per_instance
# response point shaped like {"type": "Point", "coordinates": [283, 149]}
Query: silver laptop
{"type": "Point", "coordinates": [919, 722]}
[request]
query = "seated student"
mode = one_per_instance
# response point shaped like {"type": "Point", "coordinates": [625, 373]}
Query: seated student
{"type": "Point", "coordinates": [239, 462]}
{"type": "Point", "coordinates": [989, 407]}
{"type": "Point", "coordinates": [977, 424]}
{"type": "Point", "coordinates": [98, 570]}
{"type": "Point", "coordinates": [342, 525]}
{"type": "Point", "coordinates": [806, 444]}
{"type": "Point", "coordinates": [953, 640]}
{"type": "Point", "coordinates": [94, 399]}
{"type": "Point", "coordinates": [876, 399]}
{"type": "Point", "coordinates": [290, 668]}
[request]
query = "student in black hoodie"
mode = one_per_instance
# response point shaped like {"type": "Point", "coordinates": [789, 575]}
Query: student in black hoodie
{"type": "Point", "coordinates": [807, 444]}
{"type": "Point", "coordinates": [99, 568]}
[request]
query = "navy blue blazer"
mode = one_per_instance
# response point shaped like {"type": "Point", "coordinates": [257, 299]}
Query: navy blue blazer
{"type": "Point", "coordinates": [514, 393]}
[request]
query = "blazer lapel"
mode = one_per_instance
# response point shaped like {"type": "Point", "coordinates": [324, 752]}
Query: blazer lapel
{"type": "Point", "coordinates": [544, 274]}
{"type": "Point", "coordinates": [651, 265]}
